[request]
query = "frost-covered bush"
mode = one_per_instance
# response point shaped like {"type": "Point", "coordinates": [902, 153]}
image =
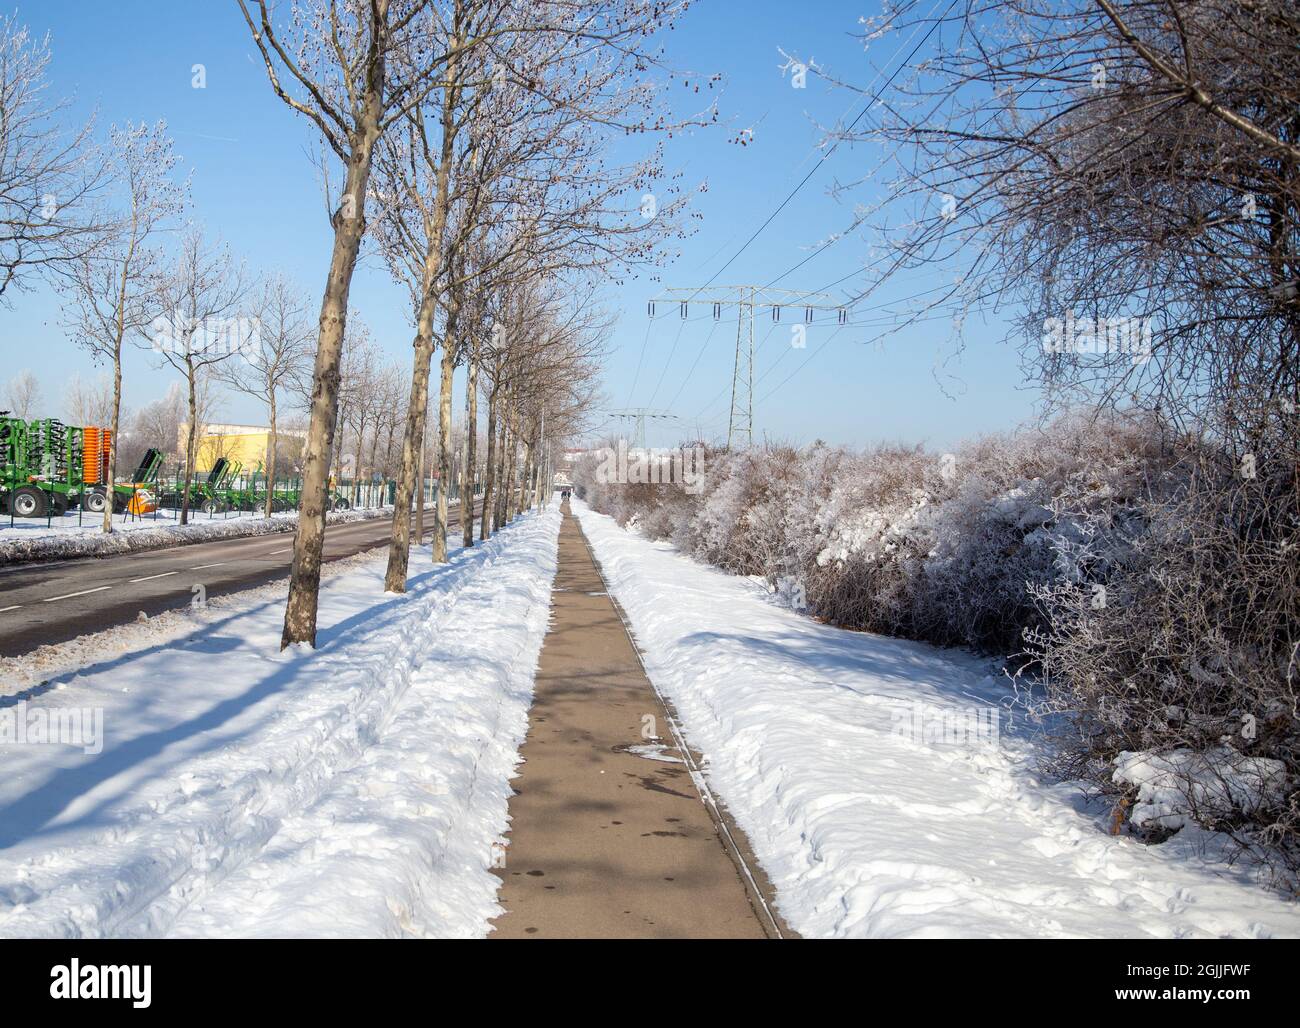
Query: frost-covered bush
{"type": "Point", "coordinates": [1031, 509]}
{"type": "Point", "coordinates": [902, 541]}
{"type": "Point", "coordinates": [1191, 644]}
{"type": "Point", "coordinates": [1151, 588]}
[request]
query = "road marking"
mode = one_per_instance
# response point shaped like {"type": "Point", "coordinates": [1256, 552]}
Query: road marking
{"type": "Point", "coordinates": [84, 592]}
{"type": "Point", "coordinates": [150, 578]}
{"type": "Point", "coordinates": [274, 552]}
{"type": "Point", "coordinates": [14, 607]}
{"type": "Point", "coordinates": [204, 567]}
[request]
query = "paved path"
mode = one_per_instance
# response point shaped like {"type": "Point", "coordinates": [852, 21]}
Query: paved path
{"type": "Point", "coordinates": [54, 602]}
{"type": "Point", "coordinates": [606, 842]}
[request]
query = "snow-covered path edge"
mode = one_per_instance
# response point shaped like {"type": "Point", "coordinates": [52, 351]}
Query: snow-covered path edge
{"type": "Point", "coordinates": [356, 790]}
{"type": "Point", "coordinates": [865, 831]}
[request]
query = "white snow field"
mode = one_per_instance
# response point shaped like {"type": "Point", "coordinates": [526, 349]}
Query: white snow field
{"type": "Point", "coordinates": [815, 739]}
{"type": "Point", "coordinates": [356, 790]}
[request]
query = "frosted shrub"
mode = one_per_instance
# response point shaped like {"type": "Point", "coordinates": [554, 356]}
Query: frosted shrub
{"type": "Point", "coordinates": [1151, 587]}
{"type": "Point", "coordinates": [905, 542]}
{"type": "Point", "coordinates": [872, 535]}
{"type": "Point", "coordinates": [1193, 647]}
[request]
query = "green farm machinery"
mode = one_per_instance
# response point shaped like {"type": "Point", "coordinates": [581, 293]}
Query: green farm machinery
{"type": "Point", "coordinates": [48, 468]}
{"type": "Point", "coordinates": [204, 495]}
{"type": "Point", "coordinates": [40, 467]}
{"type": "Point", "coordinates": [243, 496]}
{"type": "Point", "coordinates": [135, 496]}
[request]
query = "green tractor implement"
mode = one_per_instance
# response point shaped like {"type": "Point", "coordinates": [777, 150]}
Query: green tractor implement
{"type": "Point", "coordinates": [40, 467]}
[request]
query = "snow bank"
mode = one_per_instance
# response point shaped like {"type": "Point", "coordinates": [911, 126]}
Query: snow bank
{"type": "Point", "coordinates": [1175, 789]}
{"type": "Point", "coordinates": [355, 790]}
{"type": "Point", "coordinates": [837, 755]}
{"type": "Point", "coordinates": [32, 542]}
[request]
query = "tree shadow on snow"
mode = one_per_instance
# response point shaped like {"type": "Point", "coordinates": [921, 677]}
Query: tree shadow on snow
{"type": "Point", "coordinates": [31, 815]}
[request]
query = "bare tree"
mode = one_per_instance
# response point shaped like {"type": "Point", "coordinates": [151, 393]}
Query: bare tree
{"type": "Point", "coordinates": [357, 360]}
{"type": "Point", "coordinates": [353, 68]}
{"type": "Point", "coordinates": [539, 372]}
{"type": "Point", "coordinates": [274, 361]}
{"type": "Point", "coordinates": [1124, 176]}
{"type": "Point", "coordinates": [49, 179]}
{"type": "Point", "coordinates": [110, 293]}
{"type": "Point", "coordinates": [472, 358]}
{"type": "Point", "coordinates": [158, 423]}
{"type": "Point", "coordinates": [23, 393]}
{"type": "Point", "coordinates": [523, 126]}
{"type": "Point", "coordinates": [1111, 164]}
{"type": "Point", "coordinates": [199, 327]}
{"type": "Point", "coordinates": [89, 403]}
{"type": "Point", "coordinates": [418, 174]}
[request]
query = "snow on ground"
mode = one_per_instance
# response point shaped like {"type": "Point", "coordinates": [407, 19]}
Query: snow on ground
{"type": "Point", "coordinates": [816, 740]}
{"type": "Point", "coordinates": [64, 538]}
{"type": "Point", "coordinates": [356, 790]}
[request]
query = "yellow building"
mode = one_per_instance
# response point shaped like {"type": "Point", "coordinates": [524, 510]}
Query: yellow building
{"type": "Point", "coordinates": [245, 444]}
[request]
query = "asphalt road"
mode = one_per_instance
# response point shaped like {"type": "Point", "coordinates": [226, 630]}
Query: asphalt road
{"type": "Point", "coordinates": [55, 602]}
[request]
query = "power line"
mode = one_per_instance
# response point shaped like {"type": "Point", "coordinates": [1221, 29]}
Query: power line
{"type": "Point", "coordinates": [747, 299]}
{"type": "Point", "coordinates": [831, 242]}
{"type": "Point", "coordinates": [834, 146]}
{"type": "Point", "coordinates": [637, 377]}
{"type": "Point", "coordinates": [691, 372]}
{"type": "Point", "coordinates": [639, 415]}
{"type": "Point", "coordinates": [796, 371]}
{"type": "Point", "coordinates": [668, 363]}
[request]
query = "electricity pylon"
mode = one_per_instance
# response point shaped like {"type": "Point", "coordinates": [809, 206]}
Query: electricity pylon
{"type": "Point", "coordinates": [639, 415]}
{"type": "Point", "coordinates": [740, 424]}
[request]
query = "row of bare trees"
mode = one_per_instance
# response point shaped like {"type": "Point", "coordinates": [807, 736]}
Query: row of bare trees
{"type": "Point", "coordinates": [495, 154]}
{"type": "Point", "coordinates": [475, 141]}
{"type": "Point", "coordinates": [105, 224]}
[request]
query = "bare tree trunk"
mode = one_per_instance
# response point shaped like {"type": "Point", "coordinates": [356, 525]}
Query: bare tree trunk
{"type": "Point", "coordinates": [374, 459]}
{"type": "Point", "coordinates": [112, 446]}
{"type": "Point", "coordinates": [508, 443]}
{"type": "Point", "coordinates": [539, 477]}
{"type": "Point", "coordinates": [471, 445]}
{"type": "Point", "coordinates": [419, 496]}
{"type": "Point", "coordinates": [423, 474]}
{"type": "Point", "coordinates": [120, 334]}
{"type": "Point", "coordinates": [356, 464]}
{"type": "Point", "coordinates": [309, 542]}
{"type": "Point", "coordinates": [530, 479]}
{"type": "Point", "coordinates": [399, 549]}
{"type": "Point", "coordinates": [388, 447]}
{"type": "Point", "coordinates": [503, 484]}
{"type": "Point", "coordinates": [413, 440]}
{"type": "Point", "coordinates": [270, 460]}
{"type": "Point", "coordinates": [340, 443]}
{"type": "Point", "coordinates": [525, 478]}
{"type": "Point", "coordinates": [444, 440]}
{"type": "Point", "coordinates": [489, 468]}
{"type": "Point", "coordinates": [512, 471]}
{"type": "Point", "coordinates": [189, 449]}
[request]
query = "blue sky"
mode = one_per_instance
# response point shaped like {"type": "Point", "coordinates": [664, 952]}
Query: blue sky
{"type": "Point", "coordinates": [254, 186]}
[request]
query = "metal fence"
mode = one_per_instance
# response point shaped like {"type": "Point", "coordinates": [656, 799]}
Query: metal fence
{"type": "Point", "coordinates": [240, 496]}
